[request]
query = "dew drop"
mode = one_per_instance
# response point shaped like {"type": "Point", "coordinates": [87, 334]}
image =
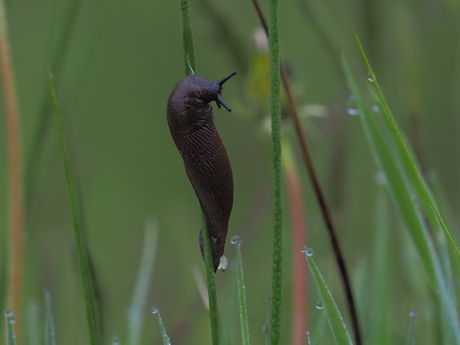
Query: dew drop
{"type": "Point", "coordinates": [413, 312]}
{"type": "Point", "coordinates": [235, 240]}
{"type": "Point", "coordinates": [319, 304]}
{"type": "Point", "coordinates": [115, 340]}
{"type": "Point", "coordinates": [380, 178]}
{"type": "Point", "coordinates": [352, 107]}
{"type": "Point", "coordinates": [375, 108]}
{"type": "Point", "coordinates": [154, 310]}
{"type": "Point", "coordinates": [353, 111]}
{"type": "Point", "coordinates": [307, 250]}
{"type": "Point", "coordinates": [7, 313]}
{"type": "Point", "coordinates": [11, 318]}
{"type": "Point", "coordinates": [371, 77]}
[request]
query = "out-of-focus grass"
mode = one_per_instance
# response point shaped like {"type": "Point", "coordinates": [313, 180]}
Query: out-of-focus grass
{"type": "Point", "coordinates": [127, 166]}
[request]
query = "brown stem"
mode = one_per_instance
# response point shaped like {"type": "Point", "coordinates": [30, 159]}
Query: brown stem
{"type": "Point", "coordinates": [16, 232]}
{"type": "Point", "coordinates": [319, 194]}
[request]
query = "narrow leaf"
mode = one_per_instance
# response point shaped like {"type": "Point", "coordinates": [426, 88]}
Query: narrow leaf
{"type": "Point", "coordinates": [50, 336]}
{"type": "Point", "coordinates": [338, 327]}
{"type": "Point", "coordinates": [164, 335]}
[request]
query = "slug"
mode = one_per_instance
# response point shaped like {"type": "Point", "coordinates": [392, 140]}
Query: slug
{"type": "Point", "coordinates": [191, 123]}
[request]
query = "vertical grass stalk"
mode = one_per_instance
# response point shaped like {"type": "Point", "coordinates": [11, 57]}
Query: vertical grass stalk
{"type": "Point", "coordinates": [189, 64]}
{"type": "Point", "coordinates": [50, 335]}
{"type": "Point", "coordinates": [83, 266]}
{"type": "Point", "coordinates": [187, 37]}
{"type": "Point", "coordinates": [274, 60]}
{"type": "Point", "coordinates": [241, 293]}
{"type": "Point", "coordinates": [211, 280]}
{"type": "Point", "coordinates": [16, 216]}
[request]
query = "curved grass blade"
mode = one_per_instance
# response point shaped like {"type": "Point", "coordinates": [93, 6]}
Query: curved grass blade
{"type": "Point", "coordinates": [400, 189]}
{"type": "Point", "coordinates": [164, 335]}
{"type": "Point", "coordinates": [82, 251]}
{"type": "Point", "coordinates": [338, 327]}
{"type": "Point", "coordinates": [409, 163]}
{"type": "Point", "coordinates": [135, 318]}
{"type": "Point", "coordinates": [241, 293]}
{"type": "Point", "coordinates": [10, 336]}
{"type": "Point", "coordinates": [50, 335]}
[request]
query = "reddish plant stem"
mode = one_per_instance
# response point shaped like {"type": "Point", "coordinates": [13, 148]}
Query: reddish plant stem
{"type": "Point", "coordinates": [318, 191]}
{"type": "Point", "coordinates": [16, 216]}
{"type": "Point", "coordinates": [300, 282]}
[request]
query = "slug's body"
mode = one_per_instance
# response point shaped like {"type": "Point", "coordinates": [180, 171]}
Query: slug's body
{"type": "Point", "coordinates": [191, 123]}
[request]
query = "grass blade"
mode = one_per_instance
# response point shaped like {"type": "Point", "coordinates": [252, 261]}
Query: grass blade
{"type": "Point", "coordinates": [338, 327]}
{"type": "Point", "coordinates": [85, 276]}
{"type": "Point", "coordinates": [50, 335]}
{"type": "Point", "coordinates": [10, 336]}
{"type": "Point", "coordinates": [241, 293]}
{"type": "Point", "coordinates": [409, 163]}
{"type": "Point", "coordinates": [143, 282]}
{"type": "Point", "coordinates": [400, 189]}
{"type": "Point", "coordinates": [164, 335]}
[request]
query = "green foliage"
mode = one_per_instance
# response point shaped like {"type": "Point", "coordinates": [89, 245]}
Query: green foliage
{"type": "Point", "coordinates": [338, 327]}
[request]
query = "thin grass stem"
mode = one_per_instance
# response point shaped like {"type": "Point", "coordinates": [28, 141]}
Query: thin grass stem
{"type": "Point", "coordinates": [164, 334]}
{"type": "Point", "coordinates": [241, 293]}
{"type": "Point", "coordinates": [83, 265]}
{"type": "Point", "coordinates": [10, 319]}
{"type": "Point", "coordinates": [50, 335]}
{"type": "Point", "coordinates": [275, 105]}
{"type": "Point", "coordinates": [325, 210]}
{"type": "Point", "coordinates": [187, 37]}
{"type": "Point", "coordinates": [16, 208]}
{"type": "Point", "coordinates": [211, 280]}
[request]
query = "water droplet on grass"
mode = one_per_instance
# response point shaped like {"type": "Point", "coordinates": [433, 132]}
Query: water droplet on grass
{"type": "Point", "coordinates": [235, 240]}
{"type": "Point", "coordinates": [306, 250]}
{"type": "Point", "coordinates": [319, 304]}
{"type": "Point", "coordinates": [115, 340]}
{"type": "Point", "coordinates": [154, 310]}
{"type": "Point", "coordinates": [352, 106]}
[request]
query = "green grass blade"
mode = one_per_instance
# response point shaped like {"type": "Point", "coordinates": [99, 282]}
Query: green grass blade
{"type": "Point", "coordinates": [187, 37]}
{"type": "Point", "coordinates": [377, 330]}
{"type": "Point", "coordinates": [423, 192]}
{"type": "Point", "coordinates": [50, 335]}
{"type": "Point", "coordinates": [241, 293]}
{"type": "Point", "coordinates": [400, 189]}
{"type": "Point", "coordinates": [338, 327]}
{"type": "Point", "coordinates": [211, 280]}
{"type": "Point", "coordinates": [10, 336]}
{"type": "Point", "coordinates": [164, 335]}
{"type": "Point", "coordinates": [275, 105]}
{"type": "Point", "coordinates": [85, 276]}
{"type": "Point", "coordinates": [135, 319]}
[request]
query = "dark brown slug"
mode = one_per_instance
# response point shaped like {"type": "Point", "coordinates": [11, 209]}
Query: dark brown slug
{"type": "Point", "coordinates": [191, 123]}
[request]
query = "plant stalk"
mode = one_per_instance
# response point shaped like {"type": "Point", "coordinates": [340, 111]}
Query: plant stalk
{"type": "Point", "coordinates": [16, 210]}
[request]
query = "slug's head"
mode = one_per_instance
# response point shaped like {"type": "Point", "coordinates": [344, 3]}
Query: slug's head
{"type": "Point", "coordinates": [189, 103]}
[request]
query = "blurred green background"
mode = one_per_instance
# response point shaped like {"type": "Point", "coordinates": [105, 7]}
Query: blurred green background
{"type": "Point", "coordinates": [115, 63]}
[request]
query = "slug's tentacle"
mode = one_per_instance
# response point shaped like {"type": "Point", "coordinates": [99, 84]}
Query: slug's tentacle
{"type": "Point", "coordinates": [206, 161]}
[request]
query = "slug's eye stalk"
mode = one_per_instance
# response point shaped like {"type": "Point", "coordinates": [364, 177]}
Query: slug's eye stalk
{"type": "Point", "coordinates": [219, 100]}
